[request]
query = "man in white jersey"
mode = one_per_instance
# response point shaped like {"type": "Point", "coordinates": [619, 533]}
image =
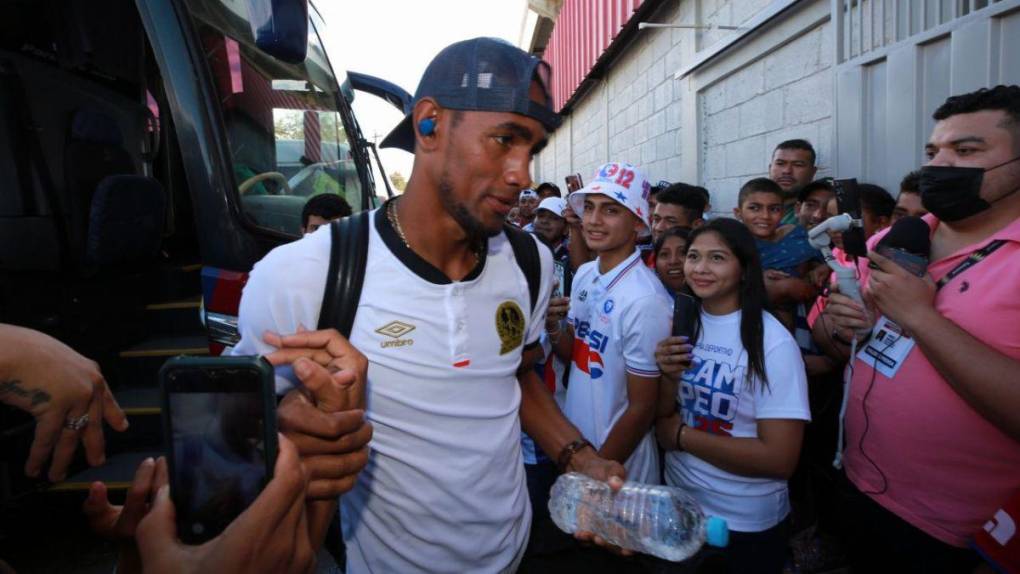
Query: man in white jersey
{"type": "Point", "coordinates": [446, 322]}
{"type": "Point", "coordinates": [619, 310]}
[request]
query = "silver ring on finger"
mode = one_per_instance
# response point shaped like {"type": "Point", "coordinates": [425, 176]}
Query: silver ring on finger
{"type": "Point", "coordinates": [77, 423]}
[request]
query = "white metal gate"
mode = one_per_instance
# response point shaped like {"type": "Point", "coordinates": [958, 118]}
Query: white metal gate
{"type": "Point", "coordinates": [898, 60]}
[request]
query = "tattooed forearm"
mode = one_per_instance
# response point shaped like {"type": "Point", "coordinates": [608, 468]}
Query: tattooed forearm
{"type": "Point", "coordinates": [13, 387]}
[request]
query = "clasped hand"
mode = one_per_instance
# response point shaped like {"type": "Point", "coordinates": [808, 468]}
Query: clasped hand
{"type": "Point", "coordinates": [325, 416]}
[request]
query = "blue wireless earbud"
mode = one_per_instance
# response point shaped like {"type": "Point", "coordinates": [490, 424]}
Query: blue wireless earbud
{"type": "Point", "coordinates": [427, 126]}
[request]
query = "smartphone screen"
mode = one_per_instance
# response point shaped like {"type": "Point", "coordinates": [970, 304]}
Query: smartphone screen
{"type": "Point", "coordinates": [221, 451]}
{"type": "Point", "coordinates": [848, 201]}
{"type": "Point", "coordinates": [563, 277]}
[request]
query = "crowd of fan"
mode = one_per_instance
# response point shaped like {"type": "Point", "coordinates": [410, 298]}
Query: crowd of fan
{"type": "Point", "coordinates": [747, 411]}
{"type": "Point", "coordinates": [762, 456]}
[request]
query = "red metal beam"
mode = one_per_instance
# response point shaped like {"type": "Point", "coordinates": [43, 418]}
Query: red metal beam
{"type": "Point", "coordinates": [584, 30]}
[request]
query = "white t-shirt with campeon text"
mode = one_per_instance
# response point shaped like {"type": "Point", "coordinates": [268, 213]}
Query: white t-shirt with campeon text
{"type": "Point", "coordinates": [618, 318]}
{"type": "Point", "coordinates": [444, 489]}
{"type": "Point", "coordinates": [713, 396]}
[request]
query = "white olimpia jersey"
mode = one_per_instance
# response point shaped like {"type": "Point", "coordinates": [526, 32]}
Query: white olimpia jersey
{"type": "Point", "coordinates": [618, 318]}
{"type": "Point", "coordinates": [444, 488]}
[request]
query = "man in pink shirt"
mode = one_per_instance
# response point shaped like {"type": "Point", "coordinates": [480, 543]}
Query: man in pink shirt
{"type": "Point", "coordinates": [933, 419]}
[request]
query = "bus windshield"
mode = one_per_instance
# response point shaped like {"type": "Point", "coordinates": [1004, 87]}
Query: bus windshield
{"type": "Point", "coordinates": [287, 139]}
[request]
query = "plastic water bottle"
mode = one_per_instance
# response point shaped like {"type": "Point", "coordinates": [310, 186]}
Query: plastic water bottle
{"type": "Point", "coordinates": [658, 520]}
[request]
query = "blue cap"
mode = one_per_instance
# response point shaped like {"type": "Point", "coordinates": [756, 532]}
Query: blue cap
{"type": "Point", "coordinates": [716, 532]}
{"type": "Point", "coordinates": [483, 75]}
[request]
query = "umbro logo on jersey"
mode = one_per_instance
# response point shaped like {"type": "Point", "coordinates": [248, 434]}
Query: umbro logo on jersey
{"type": "Point", "coordinates": [395, 330]}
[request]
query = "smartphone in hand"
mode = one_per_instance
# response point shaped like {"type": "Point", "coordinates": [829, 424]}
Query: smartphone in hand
{"type": "Point", "coordinates": [219, 427]}
{"type": "Point", "coordinates": [563, 278]}
{"type": "Point", "coordinates": [848, 200]}
{"type": "Point", "coordinates": [685, 314]}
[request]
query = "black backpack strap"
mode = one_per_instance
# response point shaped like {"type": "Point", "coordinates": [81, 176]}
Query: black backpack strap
{"type": "Point", "coordinates": [348, 256]}
{"type": "Point", "coordinates": [526, 254]}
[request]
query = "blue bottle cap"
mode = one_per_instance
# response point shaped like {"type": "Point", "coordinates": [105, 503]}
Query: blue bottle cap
{"type": "Point", "coordinates": [716, 532]}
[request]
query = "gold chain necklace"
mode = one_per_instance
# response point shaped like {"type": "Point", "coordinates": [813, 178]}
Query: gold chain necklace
{"type": "Point", "coordinates": [391, 215]}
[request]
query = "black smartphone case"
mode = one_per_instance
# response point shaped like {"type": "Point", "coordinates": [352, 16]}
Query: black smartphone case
{"type": "Point", "coordinates": [685, 310]}
{"type": "Point", "coordinates": [268, 390]}
{"type": "Point", "coordinates": [848, 201]}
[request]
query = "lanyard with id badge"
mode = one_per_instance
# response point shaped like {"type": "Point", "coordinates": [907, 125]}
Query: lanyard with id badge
{"type": "Point", "coordinates": [889, 345]}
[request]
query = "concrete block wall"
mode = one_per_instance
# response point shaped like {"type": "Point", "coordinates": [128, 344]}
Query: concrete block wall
{"type": "Point", "coordinates": [725, 13]}
{"type": "Point", "coordinates": [784, 95]}
{"type": "Point", "coordinates": [641, 114]}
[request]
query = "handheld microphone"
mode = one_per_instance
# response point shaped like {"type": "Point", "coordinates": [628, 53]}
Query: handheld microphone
{"type": "Point", "coordinates": [908, 244]}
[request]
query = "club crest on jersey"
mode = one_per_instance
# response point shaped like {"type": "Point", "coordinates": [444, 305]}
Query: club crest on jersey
{"type": "Point", "coordinates": [608, 306]}
{"type": "Point", "coordinates": [509, 326]}
{"type": "Point", "coordinates": [583, 295]}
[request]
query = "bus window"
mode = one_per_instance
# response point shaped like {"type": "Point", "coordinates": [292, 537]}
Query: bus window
{"type": "Point", "coordinates": [286, 137]}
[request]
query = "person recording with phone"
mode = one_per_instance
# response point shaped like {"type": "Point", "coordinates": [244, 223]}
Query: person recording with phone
{"type": "Point", "coordinates": [272, 535]}
{"type": "Point", "coordinates": [933, 390]}
{"type": "Point", "coordinates": [282, 529]}
{"type": "Point", "coordinates": [732, 398]}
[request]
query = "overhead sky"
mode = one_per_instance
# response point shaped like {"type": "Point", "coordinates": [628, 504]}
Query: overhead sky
{"type": "Point", "coordinates": [396, 39]}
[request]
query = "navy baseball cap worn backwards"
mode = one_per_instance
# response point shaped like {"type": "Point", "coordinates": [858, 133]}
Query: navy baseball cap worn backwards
{"type": "Point", "coordinates": [484, 75]}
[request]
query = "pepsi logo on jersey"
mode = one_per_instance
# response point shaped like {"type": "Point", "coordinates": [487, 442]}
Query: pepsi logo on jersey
{"type": "Point", "coordinates": [589, 344]}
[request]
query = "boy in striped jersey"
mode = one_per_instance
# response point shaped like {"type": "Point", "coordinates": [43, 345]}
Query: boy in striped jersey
{"type": "Point", "coordinates": [618, 310]}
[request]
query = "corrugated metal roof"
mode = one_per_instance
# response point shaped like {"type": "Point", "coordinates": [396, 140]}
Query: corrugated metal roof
{"type": "Point", "coordinates": [583, 32]}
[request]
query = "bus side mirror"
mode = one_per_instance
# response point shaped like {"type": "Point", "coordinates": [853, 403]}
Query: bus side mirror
{"type": "Point", "coordinates": [280, 28]}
